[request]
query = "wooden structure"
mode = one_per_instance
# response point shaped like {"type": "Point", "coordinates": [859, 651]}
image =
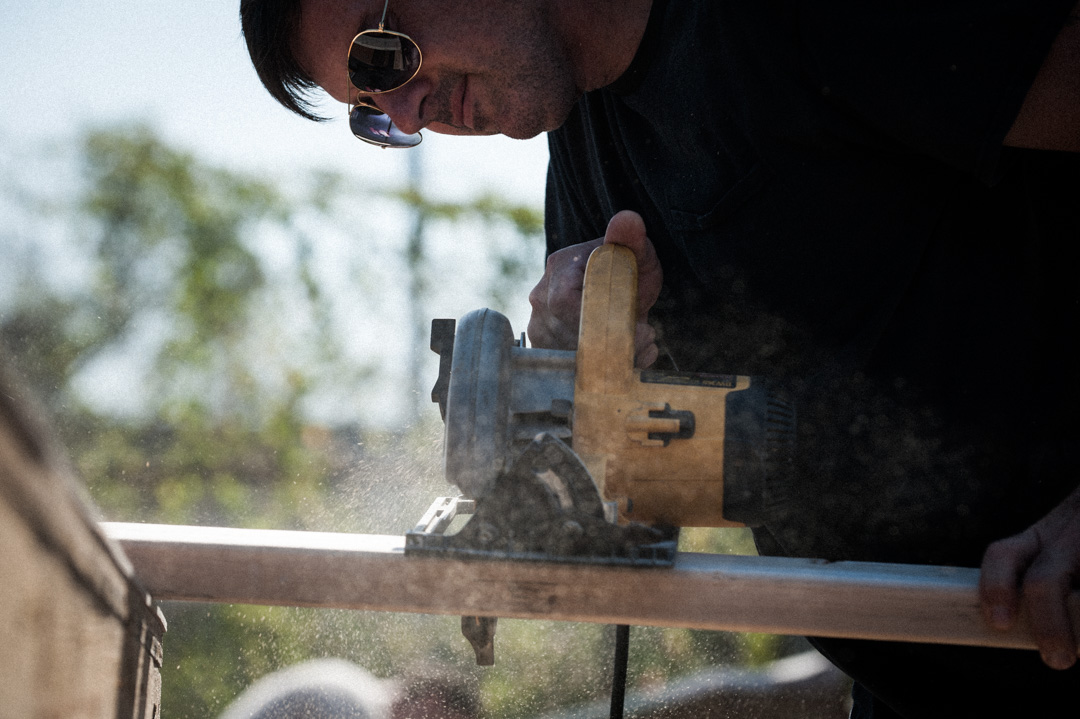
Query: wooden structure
{"type": "Point", "coordinates": [78, 636]}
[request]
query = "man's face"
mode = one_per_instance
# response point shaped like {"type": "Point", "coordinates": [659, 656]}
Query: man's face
{"type": "Point", "coordinates": [489, 67]}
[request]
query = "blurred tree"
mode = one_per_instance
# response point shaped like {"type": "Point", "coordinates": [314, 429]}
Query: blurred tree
{"type": "Point", "coordinates": [202, 294]}
{"type": "Point", "coordinates": [175, 296]}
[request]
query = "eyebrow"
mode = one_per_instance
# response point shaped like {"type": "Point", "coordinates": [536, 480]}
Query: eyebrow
{"type": "Point", "coordinates": [365, 25]}
{"type": "Point", "coordinates": [371, 18]}
{"type": "Point", "coordinates": [366, 21]}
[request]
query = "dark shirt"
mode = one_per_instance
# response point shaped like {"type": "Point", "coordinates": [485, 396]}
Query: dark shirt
{"type": "Point", "coordinates": [828, 194]}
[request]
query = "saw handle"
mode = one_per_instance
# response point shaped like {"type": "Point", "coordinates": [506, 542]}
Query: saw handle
{"type": "Point", "coordinates": [605, 353]}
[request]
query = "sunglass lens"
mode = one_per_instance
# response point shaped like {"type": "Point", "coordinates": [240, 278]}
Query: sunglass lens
{"type": "Point", "coordinates": [382, 61]}
{"type": "Point", "coordinates": [377, 128]}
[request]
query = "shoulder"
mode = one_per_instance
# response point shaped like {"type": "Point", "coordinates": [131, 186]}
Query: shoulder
{"type": "Point", "coordinates": [943, 79]}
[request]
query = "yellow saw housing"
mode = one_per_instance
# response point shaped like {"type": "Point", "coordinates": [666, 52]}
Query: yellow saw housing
{"type": "Point", "coordinates": [672, 448]}
{"type": "Point", "coordinates": [650, 441]}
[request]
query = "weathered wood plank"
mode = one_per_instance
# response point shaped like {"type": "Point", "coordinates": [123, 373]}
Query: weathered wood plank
{"type": "Point", "coordinates": [703, 591]}
{"type": "Point", "coordinates": [78, 636]}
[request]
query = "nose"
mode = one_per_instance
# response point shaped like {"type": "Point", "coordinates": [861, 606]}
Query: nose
{"type": "Point", "coordinates": [405, 105]}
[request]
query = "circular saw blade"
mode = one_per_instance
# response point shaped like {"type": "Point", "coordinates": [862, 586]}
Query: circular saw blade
{"type": "Point", "coordinates": [554, 466]}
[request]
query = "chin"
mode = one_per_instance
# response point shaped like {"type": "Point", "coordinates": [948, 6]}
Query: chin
{"type": "Point", "coordinates": [441, 129]}
{"type": "Point", "coordinates": [517, 127]}
{"type": "Point", "coordinates": [525, 128]}
{"type": "Point", "coordinates": [515, 134]}
{"type": "Point", "coordinates": [522, 134]}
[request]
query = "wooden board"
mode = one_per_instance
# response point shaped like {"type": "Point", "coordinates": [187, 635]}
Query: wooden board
{"type": "Point", "coordinates": [703, 591]}
{"type": "Point", "coordinates": [78, 637]}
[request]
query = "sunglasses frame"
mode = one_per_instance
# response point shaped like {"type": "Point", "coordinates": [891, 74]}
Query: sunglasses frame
{"type": "Point", "coordinates": [361, 93]}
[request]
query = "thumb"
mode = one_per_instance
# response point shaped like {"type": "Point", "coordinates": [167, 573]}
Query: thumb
{"type": "Point", "coordinates": [627, 228]}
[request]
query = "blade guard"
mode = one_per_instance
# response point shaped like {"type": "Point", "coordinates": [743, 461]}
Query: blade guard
{"type": "Point", "coordinates": [685, 449]}
{"type": "Point", "coordinates": [544, 507]}
{"type": "Point", "coordinates": [478, 403]}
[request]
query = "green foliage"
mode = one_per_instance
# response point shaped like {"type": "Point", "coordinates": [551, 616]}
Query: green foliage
{"type": "Point", "coordinates": [158, 206]}
{"type": "Point", "coordinates": [513, 268]}
{"type": "Point", "coordinates": [218, 428]}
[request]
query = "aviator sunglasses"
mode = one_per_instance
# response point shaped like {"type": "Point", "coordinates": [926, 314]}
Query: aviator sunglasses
{"type": "Point", "coordinates": [380, 61]}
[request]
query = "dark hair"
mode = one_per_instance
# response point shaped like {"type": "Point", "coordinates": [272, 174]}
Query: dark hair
{"type": "Point", "coordinates": [269, 27]}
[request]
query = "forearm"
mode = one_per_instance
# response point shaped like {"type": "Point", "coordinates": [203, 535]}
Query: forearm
{"type": "Point", "coordinates": [1049, 119]}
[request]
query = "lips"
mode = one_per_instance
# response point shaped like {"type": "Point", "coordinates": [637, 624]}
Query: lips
{"type": "Point", "coordinates": [462, 103]}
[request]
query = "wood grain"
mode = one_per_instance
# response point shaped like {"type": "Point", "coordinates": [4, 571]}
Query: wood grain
{"type": "Point", "coordinates": [78, 636]}
{"type": "Point", "coordinates": [703, 591]}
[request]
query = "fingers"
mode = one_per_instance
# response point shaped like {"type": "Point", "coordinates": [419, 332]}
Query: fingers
{"type": "Point", "coordinates": [1041, 566]}
{"type": "Point", "coordinates": [645, 348]}
{"type": "Point", "coordinates": [556, 299]}
{"type": "Point", "coordinates": [627, 228]}
{"type": "Point", "coordinates": [1003, 567]}
{"type": "Point", "coordinates": [1046, 588]}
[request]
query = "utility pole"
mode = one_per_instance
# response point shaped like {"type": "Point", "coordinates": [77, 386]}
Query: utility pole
{"type": "Point", "coordinates": [415, 260]}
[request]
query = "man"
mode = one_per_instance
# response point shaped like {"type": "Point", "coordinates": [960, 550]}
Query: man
{"type": "Point", "coordinates": [875, 203]}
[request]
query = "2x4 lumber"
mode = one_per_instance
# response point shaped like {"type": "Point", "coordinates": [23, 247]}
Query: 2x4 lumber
{"type": "Point", "coordinates": [701, 591]}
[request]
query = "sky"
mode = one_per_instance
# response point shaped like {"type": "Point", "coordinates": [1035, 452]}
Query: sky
{"type": "Point", "coordinates": [183, 68]}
